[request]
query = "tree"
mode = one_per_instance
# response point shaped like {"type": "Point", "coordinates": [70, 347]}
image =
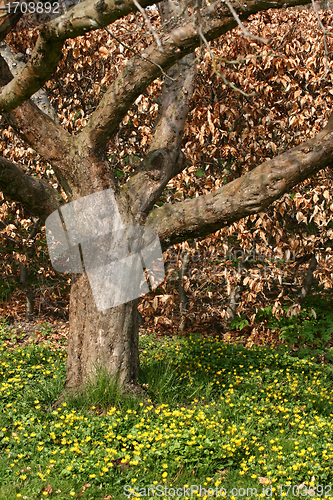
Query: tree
{"type": "Point", "coordinates": [111, 338]}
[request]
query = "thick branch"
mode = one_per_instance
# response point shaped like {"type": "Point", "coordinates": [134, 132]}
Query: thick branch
{"type": "Point", "coordinates": [249, 194]}
{"type": "Point", "coordinates": [8, 22]}
{"type": "Point", "coordinates": [165, 158]}
{"type": "Point", "coordinates": [82, 18]}
{"type": "Point", "coordinates": [15, 64]}
{"type": "Point", "coordinates": [37, 129]}
{"type": "Point", "coordinates": [35, 194]}
{"type": "Point", "coordinates": [139, 73]}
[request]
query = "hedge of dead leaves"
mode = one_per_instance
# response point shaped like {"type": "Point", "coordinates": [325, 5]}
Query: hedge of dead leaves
{"type": "Point", "coordinates": [227, 133]}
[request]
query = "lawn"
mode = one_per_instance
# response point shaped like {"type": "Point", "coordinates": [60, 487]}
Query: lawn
{"type": "Point", "coordinates": [230, 420]}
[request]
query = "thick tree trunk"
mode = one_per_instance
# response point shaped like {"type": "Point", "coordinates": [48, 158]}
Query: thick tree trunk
{"type": "Point", "coordinates": [100, 339]}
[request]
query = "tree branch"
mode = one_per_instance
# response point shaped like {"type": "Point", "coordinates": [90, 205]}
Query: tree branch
{"type": "Point", "coordinates": [9, 20]}
{"type": "Point", "coordinates": [251, 193]}
{"type": "Point", "coordinates": [37, 129]}
{"type": "Point", "coordinates": [139, 73]}
{"type": "Point", "coordinates": [79, 20]}
{"type": "Point", "coordinates": [165, 158]}
{"type": "Point", "coordinates": [15, 64]}
{"type": "Point", "coordinates": [36, 195]}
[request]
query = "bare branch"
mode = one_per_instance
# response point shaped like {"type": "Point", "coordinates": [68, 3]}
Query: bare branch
{"type": "Point", "coordinates": [36, 195]}
{"type": "Point", "coordinates": [79, 20]}
{"type": "Point", "coordinates": [37, 129]}
{"type": "Point", "coordinates": [165, 158]}
{"type": "Point", "coordinates": [245, 32]}
{"type": "Point", "coordinates": [14, 61]}
{"type": "Point", "coordinates": [138, 74]}
{"type": "Point", "coordinates": [249, 194]}
{"type": "Point", "coordinates": [325, 32]}
{"type": "Point", "coordinates": [136, 53]}
{"type": "Point", "coordinates": [308, 280]}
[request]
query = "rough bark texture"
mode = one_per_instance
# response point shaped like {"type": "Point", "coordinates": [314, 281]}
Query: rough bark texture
{"type": "Point", "coordinates": [165, 158]}
{"type": "Point", "coordinates": [97, 339]}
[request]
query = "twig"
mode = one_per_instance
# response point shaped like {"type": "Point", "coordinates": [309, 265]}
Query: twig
{"type": "Point", "coordinates": [230, 84]}
{"type": "Point", "coordinates": [328, 70]}
{"type": "Point", "coordinates": [179, 472]}
{"type": "Point", "coordinates": [153, 32]}
{"type": "Point", "coordinates": [139, 55]}
{"type": "Point", "coordinates": [246, 33]}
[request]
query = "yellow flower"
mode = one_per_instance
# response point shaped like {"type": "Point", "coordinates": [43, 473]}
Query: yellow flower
{"type": "Point", "coordinates": [164, 474]}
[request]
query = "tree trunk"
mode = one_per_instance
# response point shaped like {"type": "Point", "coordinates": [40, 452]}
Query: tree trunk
{"type": "Point", "coordinates": [100, 339]}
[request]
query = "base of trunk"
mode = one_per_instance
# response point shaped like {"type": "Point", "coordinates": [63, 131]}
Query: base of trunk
{"type": "Point", "coordinates": [108, 340]}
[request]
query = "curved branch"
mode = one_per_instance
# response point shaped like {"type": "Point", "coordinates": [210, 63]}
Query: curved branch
{"type": "Point", "coordinates": [82, 18]}
{"type": "Point", "coordinates": [139, 73]}
{"type": "Point", "coordinates": [37, 129]}
{"type": "Point", "coordinates": [249, 194]}
{"type": "Point", "coordinates": [36, 195]}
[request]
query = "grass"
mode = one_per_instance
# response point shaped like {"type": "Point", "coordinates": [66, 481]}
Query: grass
{"type": "Point", "coordinates": [216, 415]}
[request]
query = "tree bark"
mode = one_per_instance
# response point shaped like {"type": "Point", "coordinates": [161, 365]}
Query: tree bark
{"type": "Point", "coordinates": [37, 195]}
{"type": "Point", "coordinates": [107, 340]}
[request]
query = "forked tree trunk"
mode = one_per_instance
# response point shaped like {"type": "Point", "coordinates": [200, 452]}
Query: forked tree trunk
{"type": "Point", "coordinates": [100, 339]}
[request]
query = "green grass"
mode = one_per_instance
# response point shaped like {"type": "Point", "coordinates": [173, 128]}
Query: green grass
{"type": "Point", "coordinates": [216, 415]}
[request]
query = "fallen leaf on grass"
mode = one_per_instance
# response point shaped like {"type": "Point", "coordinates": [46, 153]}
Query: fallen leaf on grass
{"type": "Point", "coordinates": [47, 488]}
{"type": "Point", "coordinates": [84, 487]}
{"type": "Point", "coordinates": [264, 480]}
